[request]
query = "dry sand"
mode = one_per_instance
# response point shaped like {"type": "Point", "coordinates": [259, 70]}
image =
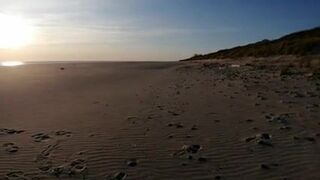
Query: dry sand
{"type": "Point", "coordinates": [157, 121]}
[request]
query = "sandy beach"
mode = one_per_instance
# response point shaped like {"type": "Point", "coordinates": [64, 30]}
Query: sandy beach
{"type": "Point", "coordinates": [149, 120]}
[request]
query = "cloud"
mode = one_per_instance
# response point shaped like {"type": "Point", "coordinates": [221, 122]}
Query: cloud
{"type": "Point", "coordinates": [103, 27]}
{"type": "Point", "coordinates": [98, 21]}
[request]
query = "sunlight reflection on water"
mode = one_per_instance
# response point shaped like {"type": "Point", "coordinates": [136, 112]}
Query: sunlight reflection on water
{"type": "Point", "coordinates": [12, 63]}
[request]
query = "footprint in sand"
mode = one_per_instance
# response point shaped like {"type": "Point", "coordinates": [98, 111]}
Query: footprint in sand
{"type": "Point", "coordinates": [39, 137]}
{"type": "Point", "coordinates": [10, 147]}
{"type": "Point", "coordinates": [177, 125]}
{"type": "Point", "coordinates": [5, 131]}
{"type": "Point", "coordinates": [16, 175]}
{"type": "Point", "coordinates": [77, 167]}
{"type": "Point", "coordinates": [63, 133]}
{"type": "Point", "coordinates": [117, 176]}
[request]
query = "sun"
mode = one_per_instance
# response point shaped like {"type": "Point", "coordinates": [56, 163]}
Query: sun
{"type": "Point", "coordinates": [15, 32]}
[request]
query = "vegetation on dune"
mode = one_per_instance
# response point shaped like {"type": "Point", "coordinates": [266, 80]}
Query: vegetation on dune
{"type": "Point", "coordinates": [299, 44]}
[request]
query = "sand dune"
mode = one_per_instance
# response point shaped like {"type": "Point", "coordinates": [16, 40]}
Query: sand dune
{"type": "Point", "coordinates": [175, 120]}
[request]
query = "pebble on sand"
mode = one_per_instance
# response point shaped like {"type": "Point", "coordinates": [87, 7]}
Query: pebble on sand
{"type": "Point", "coordinates": [202, 159]}
{"type": "Point", "coordinates": [192, 149]}
{"type": "Point", "coordinates": [249, 120]}
{"type": "Point", "coordinates": [269, 166]}
{"type": "Point", "coordinates": [264, 166]}
{"type": "Point", "coordinates": [132, 162]}
{"type": "Point", "coordinates": [262, 139]}
{"type": "Point", "coordinates": [311, 139]}
{"type": "Point", "coordinates": [194, 127]}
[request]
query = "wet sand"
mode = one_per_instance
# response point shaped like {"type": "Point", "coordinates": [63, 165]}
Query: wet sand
{"type": "Point", "coordinates": [170, 120]}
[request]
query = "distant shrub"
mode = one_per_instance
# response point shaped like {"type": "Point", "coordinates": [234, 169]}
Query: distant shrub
{"type": "Point", "coordinates": [299, 44]}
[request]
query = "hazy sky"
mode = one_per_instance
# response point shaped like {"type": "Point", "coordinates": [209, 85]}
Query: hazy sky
{"type": "Point", "coordinates": [151, 29]}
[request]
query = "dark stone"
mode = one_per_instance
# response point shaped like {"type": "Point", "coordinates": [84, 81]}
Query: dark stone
{"type": "Point", "coordinates": [250, 139]}
{"type": "Point", "coordinates": [194, 127]}
{"type": "Point", "coordinates": [132, 162]}
{"type": "Point", "coordinates": [264, 142]}
{"type": "Point", "coordinates": [312, 139]}
{"type": "Point", "coordinates": [285, 128]}
{"type": "Point", "coordinates": [179, 126]}
{"type": "Point", "coordinates": [265, 136]}
{"type": "Point", "coordinates": [193, 148]}
{"type": "Point", "coordinates": [264, 166]}
{"type": "Point", "coordinates": [296, 137]}
{"type": "Point", "coordinates": [57, 171]}
{"type": "Point", "coordinates": [202, 159]}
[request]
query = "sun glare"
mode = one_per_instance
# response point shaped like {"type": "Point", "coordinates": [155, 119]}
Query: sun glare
{"type": "Point", "coordinates": [15, 32]}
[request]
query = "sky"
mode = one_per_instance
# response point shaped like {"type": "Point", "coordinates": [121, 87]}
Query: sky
{"type": "Point", "coordinates": [151, 30]}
